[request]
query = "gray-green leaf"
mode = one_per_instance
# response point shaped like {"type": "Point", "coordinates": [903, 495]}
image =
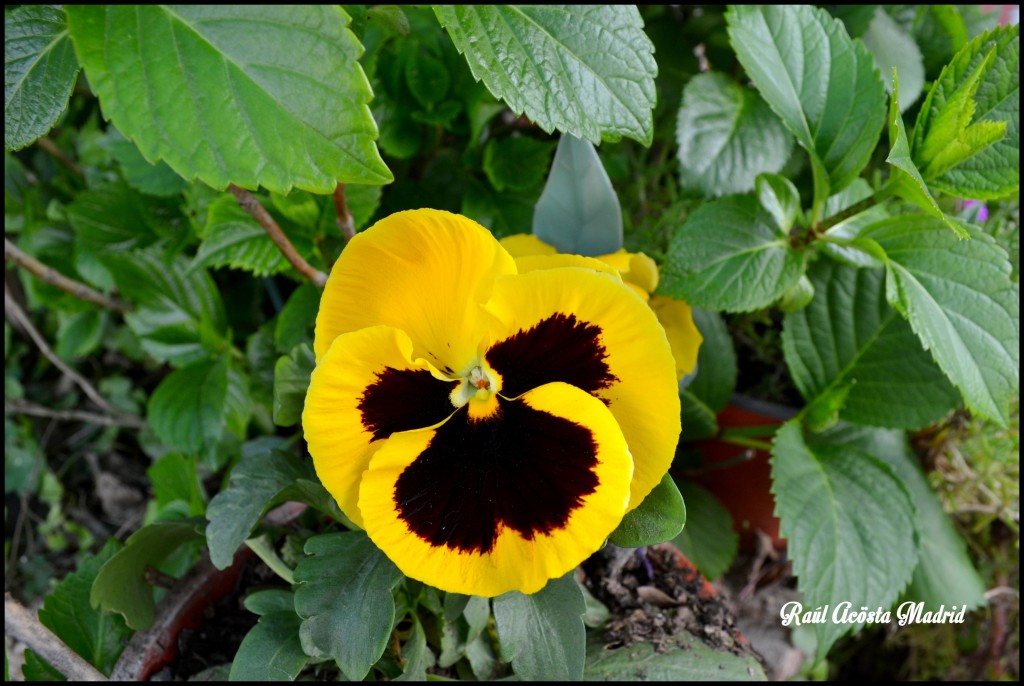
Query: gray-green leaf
{"type": "Point", "coordinates": [892, 48]}
{"type": "Point", "coordinates": [727, 135]}
{"type": "Point", "coordinates": [659, 518]}
{"type": "Point", "coordinates": [707, 540]}
{"type": "Point", "coordinates": [587, 71]}
{"type": "Point", "coordinates": [267, 96]}
{"type": "Point", "coordinates": [39, 72]}
{"type": "Point", "coordinates": [271, 651]}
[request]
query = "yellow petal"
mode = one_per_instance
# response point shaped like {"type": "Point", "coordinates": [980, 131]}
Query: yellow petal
{"type": "Point", "coordinates": [502, 503]}
{"type": "Point", "coordinates": [643, 272]}
{"type": "Point", "coordinates": [524, 244]}
{"type": "Point", "coordinates": [677, 319]}
{"type": "Point", "coordinates": [531, 263]}
{"type": "Point", "coordinates": [425, 272]}
{"type": "Point", "coordinates": [586, 329]}
{"type": "Point", "coordinates": [618, 259]}
{"type": "Point", "coordinates": [364, 388]}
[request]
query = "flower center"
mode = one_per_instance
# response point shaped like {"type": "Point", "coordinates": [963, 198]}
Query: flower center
{"type": "Point", "coordinates": [478, 388]}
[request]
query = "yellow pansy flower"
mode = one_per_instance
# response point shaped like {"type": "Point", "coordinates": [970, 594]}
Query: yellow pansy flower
{"type": "Point", "coordinates": [640, 273]}
{"type": "Point", "coordinates": [487, 426]}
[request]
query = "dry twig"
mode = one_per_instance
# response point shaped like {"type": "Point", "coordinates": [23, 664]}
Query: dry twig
{"type": "Point", "coordinates": [54, 278]}
{"type": "Point", "coordinates": [21, 624]}
{"type": "Point", "coordinates": [344, 219]}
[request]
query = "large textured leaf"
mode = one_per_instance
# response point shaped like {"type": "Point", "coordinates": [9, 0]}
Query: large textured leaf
{"type": "Point", "coordinates": [345, 600]}
{"type": "Point", "coordinates": [822, 84]}
{"type": "Point", "coordinates": [976, 96]}
{"type": "Point", "coordinates": [260, 480]}
{"type": "Point", "coordinates": [892, 47]}
{"type": "Point", "coordinates": [730, 255]}
{"type": "Point", "coordinates": [687, 658]}
{"type": "Point", "coordinates": [267, 96]}
{"type": "Point", "coordinates": [707, 540]}
{"type": "Point", "coordinates": [578, 212]}
{"type": "Point", "coordinates": [231, 237]}
{"type": "Point", "coordinates": [120, 585]}
{"type": "Point", "coordinates": [39, 72]}
{"type": "Point", "coordinates": [727, 135]}
{"type": "Point", "coordinates": [94, 635]}
{"type": "Point", "coordinates": [849, 521]}
{"type": "Point", "coordinates": [542, 635]}
{"type": "Point", "coordinates": [944, 574]}
{"type": "Point", "coordinates": [587, 71]}
{"type": "Point", "coordinates": [850, 335]}
{"type": "Point", "coordinates": [961, 303]}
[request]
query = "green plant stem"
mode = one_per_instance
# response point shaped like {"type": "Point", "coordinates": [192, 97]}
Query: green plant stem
{"type": "Point", "coordinates": [747, 442]}
{"type": "Point", "coordinates": [266, 553]}
{"type": "Point", "coordinates": [881, 195]}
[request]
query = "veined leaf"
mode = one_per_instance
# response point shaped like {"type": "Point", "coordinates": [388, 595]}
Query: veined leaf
{"type": "Point", "coordinates": [231, 237]}
{"type": "Point", "coordinates": [271, 651]}
{"type": "Point", "coordinates": [268, 96]}
{"type": "Point", "coordinates": [587, 71]}
{"type": "Point", "coordinates": [892, 49]}
{"type": "Point", "coordinates": [959, 142]}
{"type": "Point", "coordinates": [707, 540]}
{"type": "Point", "coordinates": [823, 84]}
{"type": "Point", "coordinates": [850, 335]}
{"type": "Point", "coordinates": [39, 72]}
{"type": "Point", "coordinates": [960, 302]}
{"type": "Point", "coordinates": [849, 521]}
{"type": "Point", "coordinates": [730, 255]}
{"type": "Point", "coordinates": [727, 135]}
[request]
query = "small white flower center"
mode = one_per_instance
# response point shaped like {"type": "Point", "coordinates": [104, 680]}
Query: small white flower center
{"type": "Point", "coordinates": [479, 384]}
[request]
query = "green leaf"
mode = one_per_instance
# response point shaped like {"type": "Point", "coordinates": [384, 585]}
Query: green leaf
{"type": "Point", "coordinates": [516, 163]}
{"type": "Point", "coordinates": [687, 658]}
{"type": "Point", "coordinates": [961, 304]}
{"type": "Point", "coordinates": [416, 654]}
{"type": "Point", "coordinates": [730, 255]}
{"type": "Point", "coordinates": [716, 361]}
{"type": "Point", "coordinates": [297, 318]}
{"type": "Point", "coordinates": [603, 84]}
{"type": "Point", "coordinates": [796, 296]}
{"type": "Point", "coordinates": [258, 482]}
{"type": "Point", "coordinates": [841, 241]}
{"type": "Point", "coordinates": [38, 669]}
{"type": "Point", "coordinates": [894, 49]}
{"type": "Point", "coordinates": [271, 651]}
{"type": "Point", "coordinates": [426, 76]}
{"type": "Point", "coordinates": [542, 635]}
{"type": "Point", "coordinates": [178, 314]}
{"type": "Point", "coordinates": [503, 213]}
{"type": "Point", "coordinates": [698, 420]}
{"type": "Point", "coordinates": [39, 72]}
{"type": "Point", "coordinates": [850, 338]}
{"type": "Point", "coordinates": [780, 198]}
{"type": "Point", "coordinates": [231, 237]}
{"type": "Point", "coordinates": [822, 84]}
{"type": "Point", "coordinates": [707, 540]}
{"type": "Point", "coordinates": [174, 479]}
{"type": "Point", "coordinates": [345, 600]}
{"type": "Point", "coordinates": [154, 179]}
{"type": "Point", "coordinates": [727, 135]}
{"type": "Point", "coordinates": [193, 406]}
{"type": "Point", "coordinates": [79, 333]}
{"type": "Point", "coordinates": [120, 585]}
{"type": "Point", "coordinates": [659, 518]}
{"type": "Point", "coordinates": [944, 574]}
{"type": "Point", "coordinates": [95, 636]}
{"type": "Point", "coordinates": [906, 179]}
{"type": "Point", "coordinates": [291, 380]}
{"type": "Point", "coordinates": [940, 31]}
{"type": "Point", "coordinates": [959, 142]}
{"type": "Point", "coordinates": [255, 96]}
{"type": "Point", "coordinates": [843, 511]}
{"type": "Point", "coordinates": [578, 212]}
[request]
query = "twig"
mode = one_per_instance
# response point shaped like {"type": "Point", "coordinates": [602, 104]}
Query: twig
{"type": "Point", "coordinates": [251, 205]}
{"type": "Point", "coordinates": [18, 317]}
{"type": "Point", "coordinates": [51, 149]}
{"type": "Point", "coordinates": [24, 626]}
{"type": "Point", "coordinates": [55, 278]}
{"type": "Point", "coordinates": [19, 406]}
{"type": "Point", "coordinates": [344, 219]}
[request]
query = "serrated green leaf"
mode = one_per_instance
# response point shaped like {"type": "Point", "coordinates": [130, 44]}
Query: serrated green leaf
{"type": "Point", "coordinates": [944, 574]}
{"type": "Point", "coordinates": [727, 135]}
{"type": "Point", "coordinates": [960, 302]}
{"type": "Point", "coordinates": [687, 659]}
{"type": "Point", "coordinates": [154, 179]}
{"type": "Point", "coordinates": [707, 540]}
{"type": "Point", "coordinates": [425, 75]}
{"type": "Point", "coordinates": [298, 316]}
{"type": "Point", "coordinates": [822, 84]}
{"type": "Point", "coordinates": [958, 141]}
{"type": "Point", "coordinates": [716, 362]}
{"type": "Point", "coordinates": [291, 380]}
{"type": "Point", "coordinates": [120, 585]}
{"type": "Point", "coordinates": [37, 669]}
{"type": "Point", "coordinates": [174, 478]}
{"type": "Point", "coordinates": [842, 241]}
{"type": "Point", "coordinates": [95, 636]}
{"type": "Point", "coordinates": [849, 337]}
{"type": "Point", "coordinates": [231, 237]}
{"type": "Point", "coordinates": [542, 635]}
{"type": "Point", "coordinates": [659, 518]}
{"type": "Point", "coordinates": [503, 213]}
{"type": "Point", "coordinates": [940, 32]}
{"type": "Point", "coordinates": [731, 256]}
{"type": "Point", "coordinates": [251, 95]}
{"type": "Point", "coordinates": [843, 511]}
{"type": "Point", "coordinates": [271, 651]}
{"type": "Point", "coordinates": [578, 211]}
{"type": "Point", "coordinates": [39, 72]}
{"type": "Point", "coordinates": [516, 163]}
{"type": "Point", "coordinates": [780, 198]}
{"type": "Point", "coordinates": [893, 48]}
{"type": "Point", "coordinates": [257, 482]}
{"type": "Point", "coordinates": [178, 313]}
{"type": "Point", "coordinates": [345, 600]}
{"type": "Point", "coordinates": [603, 87]}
